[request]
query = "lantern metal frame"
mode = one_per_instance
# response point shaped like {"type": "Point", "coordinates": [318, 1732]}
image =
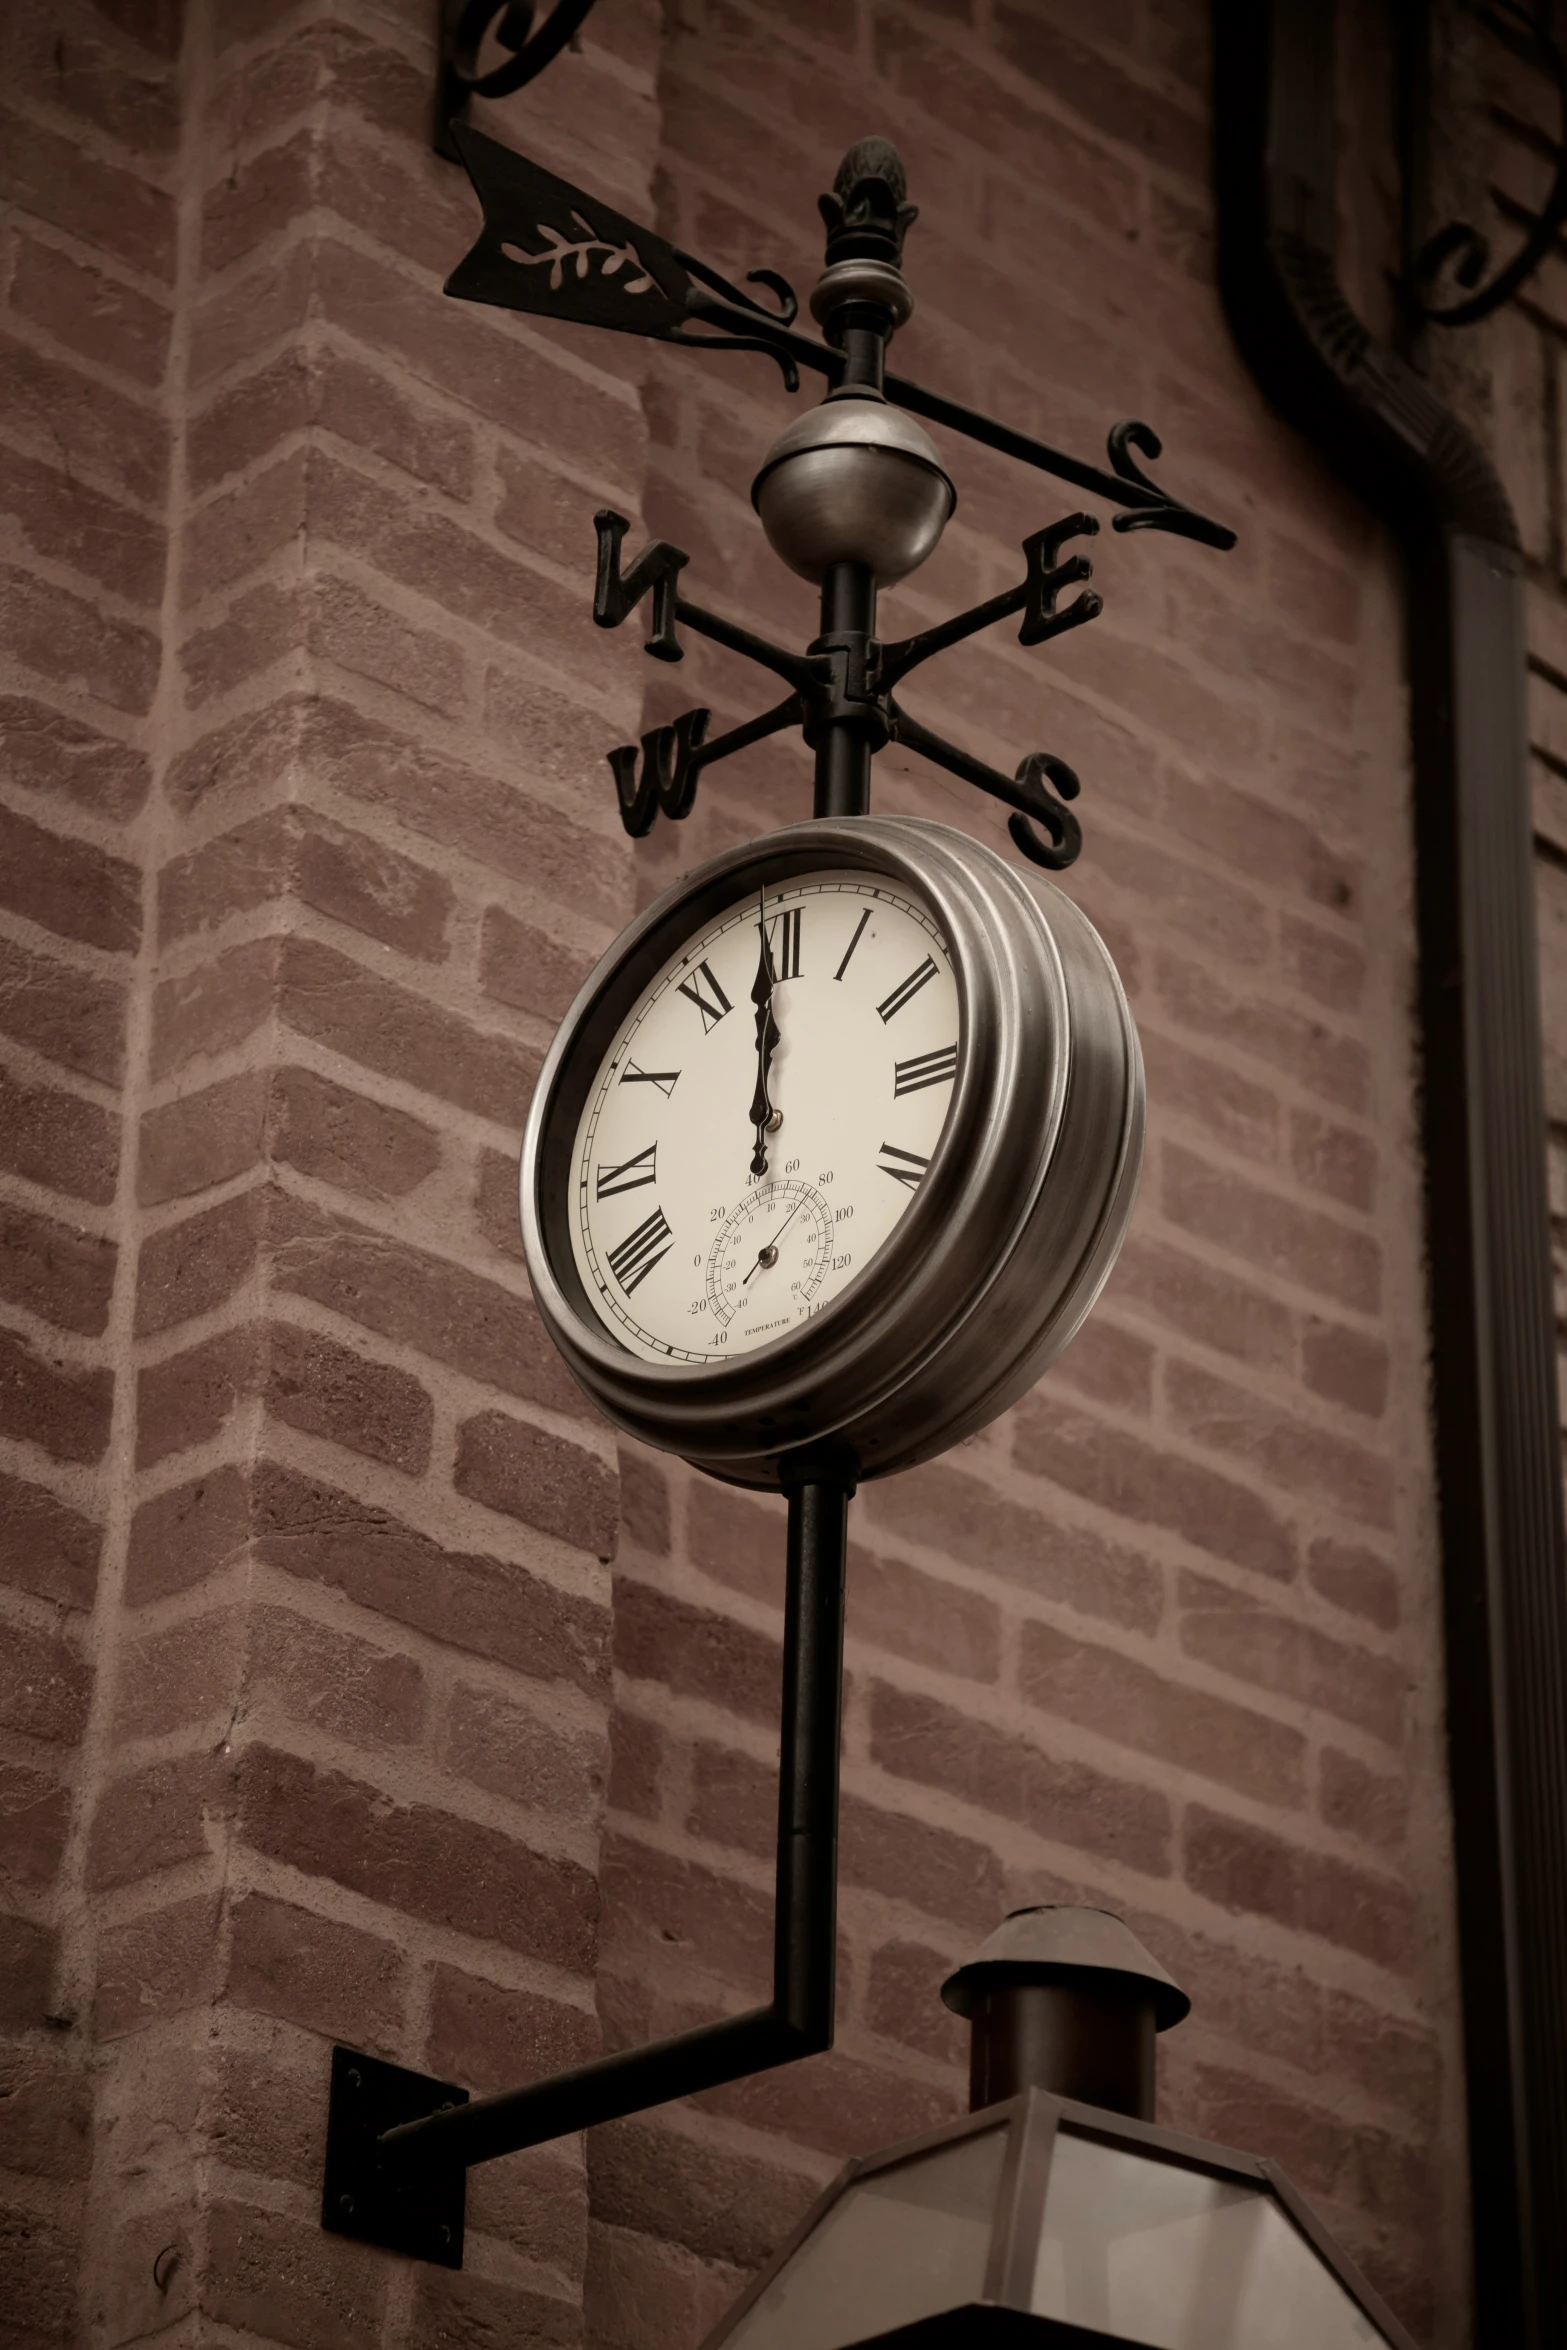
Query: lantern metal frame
{"type": "Point", "coordinates": [1002, 2317]}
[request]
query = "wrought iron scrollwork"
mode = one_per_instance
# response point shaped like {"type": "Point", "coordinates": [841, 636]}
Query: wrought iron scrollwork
{"type": "Point", "coordinates": [843, 676]}
{"type": "Point", "coordinates": [466, 25]}
{"type": "Point", "coordinates": [1460, 252]}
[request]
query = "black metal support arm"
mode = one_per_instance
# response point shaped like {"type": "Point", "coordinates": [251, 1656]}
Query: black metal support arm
{"type": "Point", "coordinates": [377, 2179]}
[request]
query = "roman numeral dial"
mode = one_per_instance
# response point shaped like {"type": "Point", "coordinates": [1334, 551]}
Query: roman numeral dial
{"type": "Point", "coordinates": [733, 1176]}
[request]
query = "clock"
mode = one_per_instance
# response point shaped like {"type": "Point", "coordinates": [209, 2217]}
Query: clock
{"type": "Point", "coordinates": [837, 1144]}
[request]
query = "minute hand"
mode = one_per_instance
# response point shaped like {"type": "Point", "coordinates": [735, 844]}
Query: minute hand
{"type": "Point", "coordinates": [766, 1043]}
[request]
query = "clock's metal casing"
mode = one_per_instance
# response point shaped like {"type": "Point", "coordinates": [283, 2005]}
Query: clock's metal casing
{"type": "Point", "coordinates": [1002, 1250]}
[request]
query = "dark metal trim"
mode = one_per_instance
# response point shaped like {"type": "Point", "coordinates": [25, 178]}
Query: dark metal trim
{"type": "Point", "coordinates": [799, 2019]}
{"type": "Point", "coordinates": [1498, 1445]}
{"type": "Point", "coordinates": [464, 25]}
{"type": "Point", "coordinates": [364, 2196]}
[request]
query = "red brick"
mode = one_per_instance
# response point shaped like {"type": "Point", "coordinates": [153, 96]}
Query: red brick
{"type": "Point", "coordinates": [240, 529]}
{"type": "Point", "coordinates": [718, 2202]}
{"type": "Point", "coordinates": [45, 1685]}
{"type": "Point", "coordinates": [191, 1267]}
{"type": "Point", "coordinates": [720, 1932]}
{"type": "Point", "coordinates": [202, 1139]}
{"type": "Point", "coordinates": [156, 1818]}
{"type": "Point", "coordinates": [48, 2116]}
{"type": "Point", "coordinates": [45, 1547]}
{"type": "Point", "coordinates": [695, 1652]}
{"type": "Point", "coordinates": [507, 1749]}
{"type": "Point", "coordinates": [1120, 1698]}
{"type": "Point", "coordinates": [181, 1675]}
{"type": "Point", "coordinates": [365, 637]}
{"type": "Point", "coordinates": [336, 1682]}
{"type": "Point", "coordinates": [1323, 964]}
{"type": "Point", "coordinates": [69, 1015]}
{"type": "Point", "coordinates": [483, 365]}
{"type": "Point", "coordinates": [180, 1538]}
{"type": "Point", "coordinates": [450, 566]}
{"type": "Point", "coordinates": [967, 1519]}
{"type": "Point", "coordinates": [1245, 1869]}
{"type": "Point", "coordinates": [265, 2275]}
{"type": "Point", "coordinates": [495, 1203]}
{"type": "Point", "coordinates": [1399, 2063]}
{"type": "Point", "coordinates": [1069, 1802]}
{"type": "Point", "coordinates": [40, 2258]}
{"type": "Point", "coordinates": [76, 421]}
{"type": "Point", "coordinates": [1346, 1366]}
{"type": "Point", "coordinates": [836, 2103]}
{"type": "Point", "coordinates": [893, 1606]}
{"type": "Point", "coordinates": [1259, 839]}
{"type": "Point", "coordinates": [1122, 1473]}
{"type": "Point", "coordinates": [642, 2294]}
{"type": "Point", "coordinates": [157, 1964]}
{"type": "Point", "coordinates": [1356, 1580]}
{"type": "Point", "coordinates": [329, 1390]}
{"type": "Point", "coordinates": [544, 1480]}
{"type": "Point", "coordinates": [259, 628]}
{"type": "Point", "coordinates": [76, 643]}
{"type": "Point", "coordinates": [524, 966]}
{"type": "Point", "coordinates": [1364, 1803]}
{"type": "Point", "coordinates": [1204, 1304]}
{"type": "Point", "coordinates": [55, 1404]}
{"type": "Point", "coordinates": [35, 1813]}
{"type": "Point", "coordinates": [57, 1271]}
{"type": "Point", "coordinates": [66, 522]}
{"type": "Point", "coordinates": [102, 317]}
{"type": "Point", "coordinates": [189, 1398]}
{"type": "Point", "coordinates": [929, 1868]}
{"type": "Point", "coordinates": [360, 405]}
{"type": "Point", "coordinates": [1110, 1365]}
{"type": "Point", "coordinates": [1319, 1058]}
{"type": "Point", "coordinates": [734, 1800]}
{"type": "Point", "coordinates": [490, 2037]}
{"type": "Point", "coordinates": [644, 1502]}
{"type": "Point", "coordinates": [26, 1971]}
{"type": "Point", "coordinates": [636, 1757]}
{"type": "Point", "coordinates": [255, 199]}
{"type": "Point", "coordinates": [1266, 1230]}
{"type": "Point", "coordinates": [415, 1299]}
{"type": "Point", "coordinates": [1292, 1453]}
{"type": "Point", "coordinates": [61, 758]}
{"type": "Point", "coordinates": [48, 175]}
{"type": "Point", "coordinates": [344, 1138]}
{"type": "Point", "coordinates": [500, 827]}
{"type": "Point", "coordinates": [249, 313]}
{"type": "Point", "coordinates": [1232, 1631]}
{"type": "Point", "coordinates": [469, 2311]}
{"type": "Point", "coordinates": [246, 420]}
{"type": "Point", "coordinates": [903, 2003]}
{"type": "Point", "coordinates": [1333, 1160]}
{"type": "Point", "coordinates": [329, 1978]}
{"type": "Point", "coordinates": [340, 1004]}
{"type": "Point", "coordinates": [58, 1139]}
{"type": "Point", "coordinates": [484, 1605]}
{"type": "Point", "coordinates": [215, 1007]}
{"type": "Point", "coordinates": [430, 1864]}
{"type": "Point", "coordinates": [292, 851]}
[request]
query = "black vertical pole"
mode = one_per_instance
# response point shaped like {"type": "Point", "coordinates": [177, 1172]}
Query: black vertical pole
{"type": "Point", "coordinates": [843, 756]}
{"type": "Point", "coordinates": [805, 1924]}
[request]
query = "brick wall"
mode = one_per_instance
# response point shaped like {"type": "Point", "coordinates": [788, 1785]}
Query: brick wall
{"type": "Point", "coordinates": [357, 1685]}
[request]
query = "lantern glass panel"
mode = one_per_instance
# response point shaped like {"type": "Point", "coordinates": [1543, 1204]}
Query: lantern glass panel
{"type": "Point", "coordinates": [898, 2245]}
{"type": "Point", "coordinates": [1155, 2253]}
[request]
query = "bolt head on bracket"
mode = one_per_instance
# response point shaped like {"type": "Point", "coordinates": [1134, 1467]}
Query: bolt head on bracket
{"type": "Point", "coordinates": [404, 2206]}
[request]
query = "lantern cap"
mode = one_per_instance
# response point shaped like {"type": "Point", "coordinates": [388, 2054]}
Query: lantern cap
{"type": "Point", "coordinates": [1054, 1942]}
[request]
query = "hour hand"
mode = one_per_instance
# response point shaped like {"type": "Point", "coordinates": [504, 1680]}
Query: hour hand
{"type": "Point", "coordinates": [766, 1043]}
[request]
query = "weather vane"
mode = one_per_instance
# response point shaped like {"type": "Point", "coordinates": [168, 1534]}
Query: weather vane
{"type": "Point", "coordinates": [853, 496]}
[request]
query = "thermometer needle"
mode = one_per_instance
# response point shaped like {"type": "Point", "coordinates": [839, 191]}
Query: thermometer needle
{"type": "Point", "coordinates": [769, 1255]}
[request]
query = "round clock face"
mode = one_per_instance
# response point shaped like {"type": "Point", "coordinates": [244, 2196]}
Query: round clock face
{"type": "Point", "coordinates": [764, 1115]}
